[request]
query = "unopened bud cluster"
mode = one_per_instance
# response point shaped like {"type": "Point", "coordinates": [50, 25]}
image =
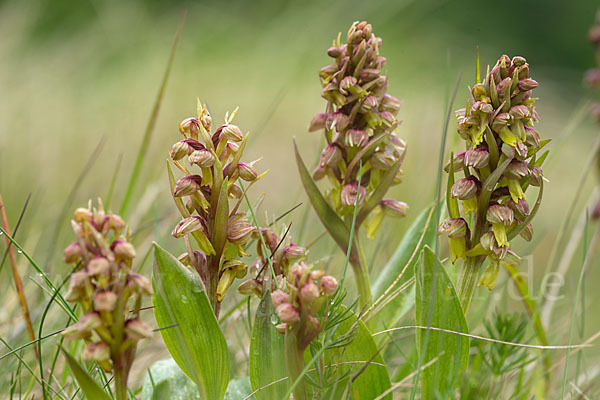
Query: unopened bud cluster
{"type": "Point", "coordinates": [204, 196]}
{"type": "Point", "coordinates": [106, 288]}
{"type": "Point", "coordinates": [282, 257]}
{"type": "Point", "coordinates": [298, 305]}
{"type": "Point", "coordinates": [497, 126]}
{"type": "Point", "coordinates": [359, 122]}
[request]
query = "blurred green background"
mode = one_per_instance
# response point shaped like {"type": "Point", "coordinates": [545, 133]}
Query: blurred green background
{"type": "Point", "coordinates": [78, 80]}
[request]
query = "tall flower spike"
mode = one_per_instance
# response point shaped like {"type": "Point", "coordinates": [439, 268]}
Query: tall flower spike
{"type": "Point", "coordinates": [359, 124]}
{"type": "Point", "coordinates": [502, 160]}
{"type": "Point", "coordinates": [105, 287]}
{"type": "Point", "coordinates": [208, 200]}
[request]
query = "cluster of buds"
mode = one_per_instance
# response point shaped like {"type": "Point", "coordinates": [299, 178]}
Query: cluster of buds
{"type": "Point", "coordinates": [500, 163]}
{"type": "Point", "coordinates": [281, 258]}
{"type": "Point", "coordinates": [220, 231]}
{"type": "Point", "coordinates": [297, 307]}
{"type": "Point", "coordinates": [108, 291]}
{"type": "Point", "coordinates": [592, 79]}
{"type": "Point", "coordinates": [360, 125]}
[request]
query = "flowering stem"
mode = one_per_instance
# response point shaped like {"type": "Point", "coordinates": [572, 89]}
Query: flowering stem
{"type": "Point", "coordinates": [120, 383]}
{"type": "Point", "coordinates": [468, 281]}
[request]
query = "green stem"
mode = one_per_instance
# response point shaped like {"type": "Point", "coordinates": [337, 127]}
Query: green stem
{"type": "Point", "coordinates": [212, 281]}
{"type": "Point", "coordinates": [363, 282]}
{"type": "Point", "coordinates": [120, 383]}
{"type": "Point", "coordinates": [294, 359]}
{"type": "Point", "coordinates": [468, 281]}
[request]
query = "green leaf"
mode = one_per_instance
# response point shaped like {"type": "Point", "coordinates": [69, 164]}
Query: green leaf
{"type": "Point", "coordinates": [88, 386]}
{"type": "Point", "coordinates": [166, 380]}
{"type": "Point", "coordinates": [371, 382]}
{"type": "Point", "coordinates": [438, 306]}
{"type": "Point", "coordinates": [267, 355]}
{"type": "Point", "coordinates": [332, 222]}
{"type": "Point", "coordinates": [190, 330]}
{"type": "Point", "coordinates": [424, 229]}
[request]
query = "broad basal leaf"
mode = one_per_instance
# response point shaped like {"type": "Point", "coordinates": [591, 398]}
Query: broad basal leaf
{"type": "Point", "coordinates": [438, 306]}
{"type": "Point", "coordinates": [190, 330]}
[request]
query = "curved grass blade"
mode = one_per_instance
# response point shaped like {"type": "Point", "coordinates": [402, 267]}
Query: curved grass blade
{"type": "Point", "coordinates": [193, 337]}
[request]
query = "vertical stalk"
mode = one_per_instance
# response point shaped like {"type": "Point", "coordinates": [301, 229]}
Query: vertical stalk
{"type": "Point", "coordinates": [212, 281]}
{"type": "Point", "coordinates": [468, 281]}
{"type": "Point", "coordinates": [120, 383]}
{"type": "Point", "coordinates": [294, 359]}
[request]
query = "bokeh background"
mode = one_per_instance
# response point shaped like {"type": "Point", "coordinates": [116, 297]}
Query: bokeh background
{"type": "Point", "coordinates": [78, 80]}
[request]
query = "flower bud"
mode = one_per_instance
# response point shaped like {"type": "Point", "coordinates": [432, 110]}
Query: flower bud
{"type": "Point", "coordinates": [82, 215]}
{"type": "Point", "coordinates": [535, 178]}
{"type": "Point", "coordinates": [187, 185]}
{"type": "Point", "coordinates": [519, 112]}
{"type": "Point", "coordinates": [319, 173]}
{"type": "Point", "coordinates": [347, 84]}
{"type": "Point", "coordinates": [247, 172]}
{"type": "Point", "coordinates": [79, 286]}
{"type": "Point", "coordinates": [309, 293]}
{"type": "Point", "coordinates": [184, 148]}
{"type": "Point", "coordinates": [465, 188]}
{"type": "Point", "coordinates": [327, 72]}
{"type": "Point", "coordinates": [139, 284]}
{"type": "Point", "coordinates": [137, 329]}
{"type": "Point", "coordinates": [458, 162]}
{"type": "Point", "coordinates": [393, 207]}
{"type": "Point", "coordinates": [84, 327]}
{"type": "Point", "coordinates": [239, 231]}
{"type": "Point", "coordinates": [500, 214]}
{"type": "Point", "coordinates": [105, 301]}
{"type": "Point", "coordinates": [99, 266]}
{"type": "Point", "coordinates": [349, 195]}
{"type": "Point", "coordinates": [203, 158]}
{"type": "Point", "coordinates": [317, 123]}
{"type": "Point", "coordinates": [330, 156]}
{"type": "Point", "coordinates": [251, 287]}
{"type": "Point", "coordinates": [527, 232]}
{"type": "Point", "coordinates": [73, 253]}
{"type": "Point", "coordinates": [334, 52]}
{"type": "Point", "coordinates": [329, 285]}
{"type": "Point", "coordinates": [527, 84]}
{"type": "Point", "coordinates": [279, 297]}
{"type": "Point", "coordinates": [231, 132]}
{"type": "Point", "coordinates": [187, 225]}
{"type": "Point", "coordinates": [281, 328]}
{"type": "Point", "coordinates": [123, 249]}
{"type": "Point", "coordinates": [287, 313]}
{"type": "Point", "coordinates": [293, 253]}
{"type": "Point", "coordinates": [454, 227]}
{"type": "Point", "coordinates": [477, 158]}
{"type": "Point", "coordinates": [190, 125]}
{"type": "Point", "coordinates": [520, 208]}
{"type": "Point", "coordinates": [391, 104]}
{"type": "Point", "coordinates": [96, 351]}
{"type": "Point", "coordinates": [356, 137]}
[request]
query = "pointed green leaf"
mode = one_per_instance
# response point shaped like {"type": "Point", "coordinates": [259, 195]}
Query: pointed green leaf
{"type": "Point", "coordinates": [423, 230]}
{"type": "Point", "coordinates": [267, 355]}
{"type": "Point", "coordinates": [332, 222]}
{"type": "Point", "coordinates": [190, 330]}
{"type": "Point", "coordinates": [88, 386]}
{"type": "Point", "coordinates": [438, 306]}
